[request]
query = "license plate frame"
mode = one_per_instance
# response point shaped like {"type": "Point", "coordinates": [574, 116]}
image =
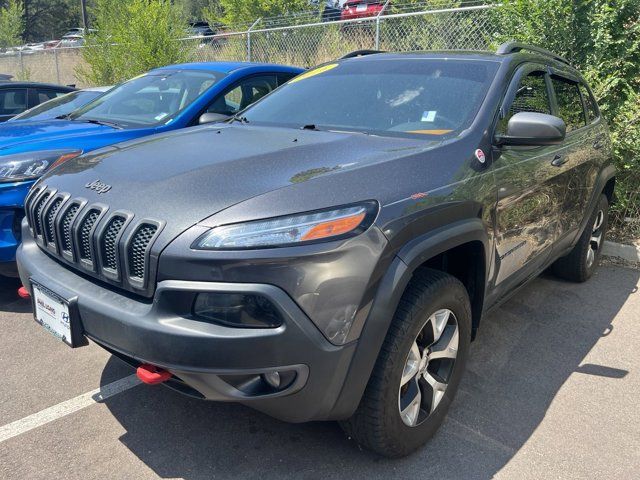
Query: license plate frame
{"type": "Point", "coordinates": [66, 306]}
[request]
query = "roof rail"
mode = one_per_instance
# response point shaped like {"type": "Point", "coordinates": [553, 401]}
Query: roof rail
{"type": "Point", "coordinates": [360, 53]}
{"type": "Point", "coordinates": [513, 47]}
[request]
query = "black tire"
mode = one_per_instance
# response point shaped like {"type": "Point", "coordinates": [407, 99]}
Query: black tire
{"type": "Point", "coordinates": [576, 266]}
{"type": "Point", "coordinates": [377, 424]}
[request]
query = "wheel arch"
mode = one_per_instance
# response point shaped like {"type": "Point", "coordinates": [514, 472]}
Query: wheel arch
{"type": "Point", "coordinates": [426, 251]}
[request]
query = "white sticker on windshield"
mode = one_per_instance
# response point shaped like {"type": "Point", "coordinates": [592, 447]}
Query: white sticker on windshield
{"type": "Point", "coordinates": [428, 116]}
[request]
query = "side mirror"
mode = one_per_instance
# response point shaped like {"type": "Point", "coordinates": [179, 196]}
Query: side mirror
{"type": "Point", "coordinates": [531, 129]}
{"type": "Point", "coordinates": [212, 118]}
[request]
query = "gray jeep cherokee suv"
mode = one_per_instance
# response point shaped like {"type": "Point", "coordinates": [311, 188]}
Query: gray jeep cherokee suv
{"type": "Point", "coordinates": [329, 254]}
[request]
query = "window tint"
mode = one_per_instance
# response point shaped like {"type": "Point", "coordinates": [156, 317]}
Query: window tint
{"type": "Point", "coordinates": [592, 108]}
{"type": "Point", "coordinates": [13, 101]}
{"type": "Point", "coordinates": [244, 94]}
{"type": "Point", "coordinates": [531, 96]}
{"type": "Point", "coordinates": [569, 103]}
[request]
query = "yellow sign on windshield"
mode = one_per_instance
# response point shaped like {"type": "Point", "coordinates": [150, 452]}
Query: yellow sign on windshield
{"type": "Point", "coordinates": [314, 72]}
{"type": "Point", "coordinates": [431, 132]}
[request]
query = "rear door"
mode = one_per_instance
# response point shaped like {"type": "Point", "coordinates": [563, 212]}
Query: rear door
{"type": "Point", "coordinates": [531, 188]}
{"type": "Point", "coordinates": [583, 149]}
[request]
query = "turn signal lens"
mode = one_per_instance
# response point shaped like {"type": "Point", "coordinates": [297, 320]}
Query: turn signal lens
{"type": "Point", "coordinates": [291, 230]}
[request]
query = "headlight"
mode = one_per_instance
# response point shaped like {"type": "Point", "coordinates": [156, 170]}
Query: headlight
{"type": "Point", "coordinates": [309, 227]}
{"type": "Point", "coordinates": [30, 165]}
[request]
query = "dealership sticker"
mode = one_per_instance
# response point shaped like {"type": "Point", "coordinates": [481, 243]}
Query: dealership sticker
{"type": "Point", "coordinates": [314, 72]}
{"type": "Point", "coordinates": [480, 156]}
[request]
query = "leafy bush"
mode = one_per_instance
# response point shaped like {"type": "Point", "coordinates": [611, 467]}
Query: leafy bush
{"type": "Point", "coordinates": [602, 39]}
{"type": "Point", "coordinates": [11, 24]}
{"type": "Point", "coordinates": [132, 37]}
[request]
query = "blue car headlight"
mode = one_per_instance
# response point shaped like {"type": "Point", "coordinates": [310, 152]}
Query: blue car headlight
{"type": "Point", "coordinates": [31, 165]}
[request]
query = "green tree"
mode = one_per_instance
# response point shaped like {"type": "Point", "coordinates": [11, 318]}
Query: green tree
{"type": "Point", "coordinates": [245, 12]}
{"type": "Point", "coordinates": [132, 37]}
{"type": "Point", "coordinates": [49, 19]}
{"type": "Point", "coordinates": [11, 24]}
{"type": "Point", "coordinates": [602, 39]}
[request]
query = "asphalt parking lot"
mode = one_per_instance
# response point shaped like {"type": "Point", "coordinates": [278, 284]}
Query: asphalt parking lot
{"type": "Point", "coordinates": [552, 391]}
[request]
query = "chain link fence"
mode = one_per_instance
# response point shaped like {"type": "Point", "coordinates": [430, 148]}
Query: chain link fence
{"type": "Point", "coordinates": [466, 28]}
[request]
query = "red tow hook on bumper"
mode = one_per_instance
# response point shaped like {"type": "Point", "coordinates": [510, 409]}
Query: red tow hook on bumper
{"type": "Point", "coordinates": [23, 293]}
{"type": "Point", "coordinates": [152, 375]}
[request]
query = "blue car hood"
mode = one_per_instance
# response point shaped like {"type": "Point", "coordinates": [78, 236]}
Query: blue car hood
{"type": "Point", "coordinates": [40, 135]}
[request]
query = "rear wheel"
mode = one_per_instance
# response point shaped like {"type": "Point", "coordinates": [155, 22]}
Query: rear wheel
{"type": "Point", "coordinates": [419, 368]}
{"type": "Point", "coordinates": [582, 261]}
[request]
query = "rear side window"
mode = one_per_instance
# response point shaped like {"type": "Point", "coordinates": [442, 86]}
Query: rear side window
{"type": "Point", "coordinates": [569, 103]}
{"type": "Point", "coordinates": [46, 95]}
{"type": "Point", "coordinates": [13, 101]}
{"type": "Point", "coordinates": [590, 103]}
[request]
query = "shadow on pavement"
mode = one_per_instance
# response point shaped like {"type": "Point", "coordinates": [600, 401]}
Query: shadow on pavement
{"type": "Point", "coordinates": [9, 299]}
{"type": "Point", "coordinates": [524, 353]}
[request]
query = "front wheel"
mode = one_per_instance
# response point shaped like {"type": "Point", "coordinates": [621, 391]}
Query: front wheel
{"type": "Point", "coordinates": [582, 261]}
{"type": "Point", "coordinates": [419, 368]}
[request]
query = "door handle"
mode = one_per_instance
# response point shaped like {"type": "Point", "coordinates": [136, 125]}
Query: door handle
{"type": "Point", "coordinates": [559, 160]}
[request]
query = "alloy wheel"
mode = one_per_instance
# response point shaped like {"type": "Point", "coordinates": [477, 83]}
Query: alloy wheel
{"type": "Point", "coordinates": [428, 368]}
{"type": "Point", "coordinates": [596, 238]}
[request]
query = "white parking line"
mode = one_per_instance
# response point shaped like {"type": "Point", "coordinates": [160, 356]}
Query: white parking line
{"type": "Point", "coordinates": [66, 408]}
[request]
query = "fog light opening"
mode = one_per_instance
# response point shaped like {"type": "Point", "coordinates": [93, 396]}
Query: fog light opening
{"type": "Point", "coordinates": [272, 379]}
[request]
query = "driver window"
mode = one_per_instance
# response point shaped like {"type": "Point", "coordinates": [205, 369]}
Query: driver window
{"type": "Point", "coordinates": [244, 94]}
{"type": "Point", "coordinates": [532, 96]}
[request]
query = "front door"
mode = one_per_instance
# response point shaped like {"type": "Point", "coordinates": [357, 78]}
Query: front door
{"type": "Point", "coordinates": [531, 188]}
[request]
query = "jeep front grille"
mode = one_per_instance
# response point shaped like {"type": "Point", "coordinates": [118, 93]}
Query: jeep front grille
{"type": "Point", "coordinates": [138, 249]}
{"type": "Point", "coordinates": [108, 243]}
{"type": "Point", "coordinates": [110, 246]}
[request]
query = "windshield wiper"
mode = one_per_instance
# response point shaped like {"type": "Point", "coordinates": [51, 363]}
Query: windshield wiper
{"type": "Point", "coordinates": [310, 126]}
{"type": "Point", "coordinates": [239, 118]}
{"type": "Point", "coordinates": [63, 117]}
{"type": "Point", "coordinates": [101, 122]}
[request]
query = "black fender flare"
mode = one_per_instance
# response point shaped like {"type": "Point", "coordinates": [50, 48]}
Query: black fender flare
{"type": "Point", "coordinates": [388, 295]}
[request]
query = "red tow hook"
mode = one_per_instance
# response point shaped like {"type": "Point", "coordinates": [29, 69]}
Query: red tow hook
{"type": "Point", "coordinates": [152, 375]}
{"type": "Point", "coordinates": [23, 293]}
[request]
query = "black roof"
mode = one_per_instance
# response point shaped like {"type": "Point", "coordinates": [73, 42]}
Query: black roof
{"type": "Point", "coordinates": [13, 84]}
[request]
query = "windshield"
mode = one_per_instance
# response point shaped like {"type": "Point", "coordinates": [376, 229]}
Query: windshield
{"type": "Point", "coordinates": [58, 106]}
{"type": "Point", "coordinates": [149, 100]}
{"type": "Point", "coordinates": [394, 97]}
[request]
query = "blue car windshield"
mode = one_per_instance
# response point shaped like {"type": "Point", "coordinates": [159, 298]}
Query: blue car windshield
{"type": "Point", "coordinates": [421, 97]}
{"type": "Point", "coordinates": [58, 106]}
{"type": "Point", "coordinates": [149, 100]}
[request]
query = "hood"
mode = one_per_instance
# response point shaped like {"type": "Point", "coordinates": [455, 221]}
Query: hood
{"type": "Point", "coordinates": [186, 176]}
{"type": "Point", "coordinates": [42, 135]}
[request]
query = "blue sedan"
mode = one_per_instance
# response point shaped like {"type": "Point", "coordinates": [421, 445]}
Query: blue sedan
{"type": "Point", "coordinates": [161, 100]}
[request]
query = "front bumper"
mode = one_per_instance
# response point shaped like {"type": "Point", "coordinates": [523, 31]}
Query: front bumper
{"type": "Point", "coordinates": [210, 361]}
{"type": "Point", "coordinates": [12, 197]}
